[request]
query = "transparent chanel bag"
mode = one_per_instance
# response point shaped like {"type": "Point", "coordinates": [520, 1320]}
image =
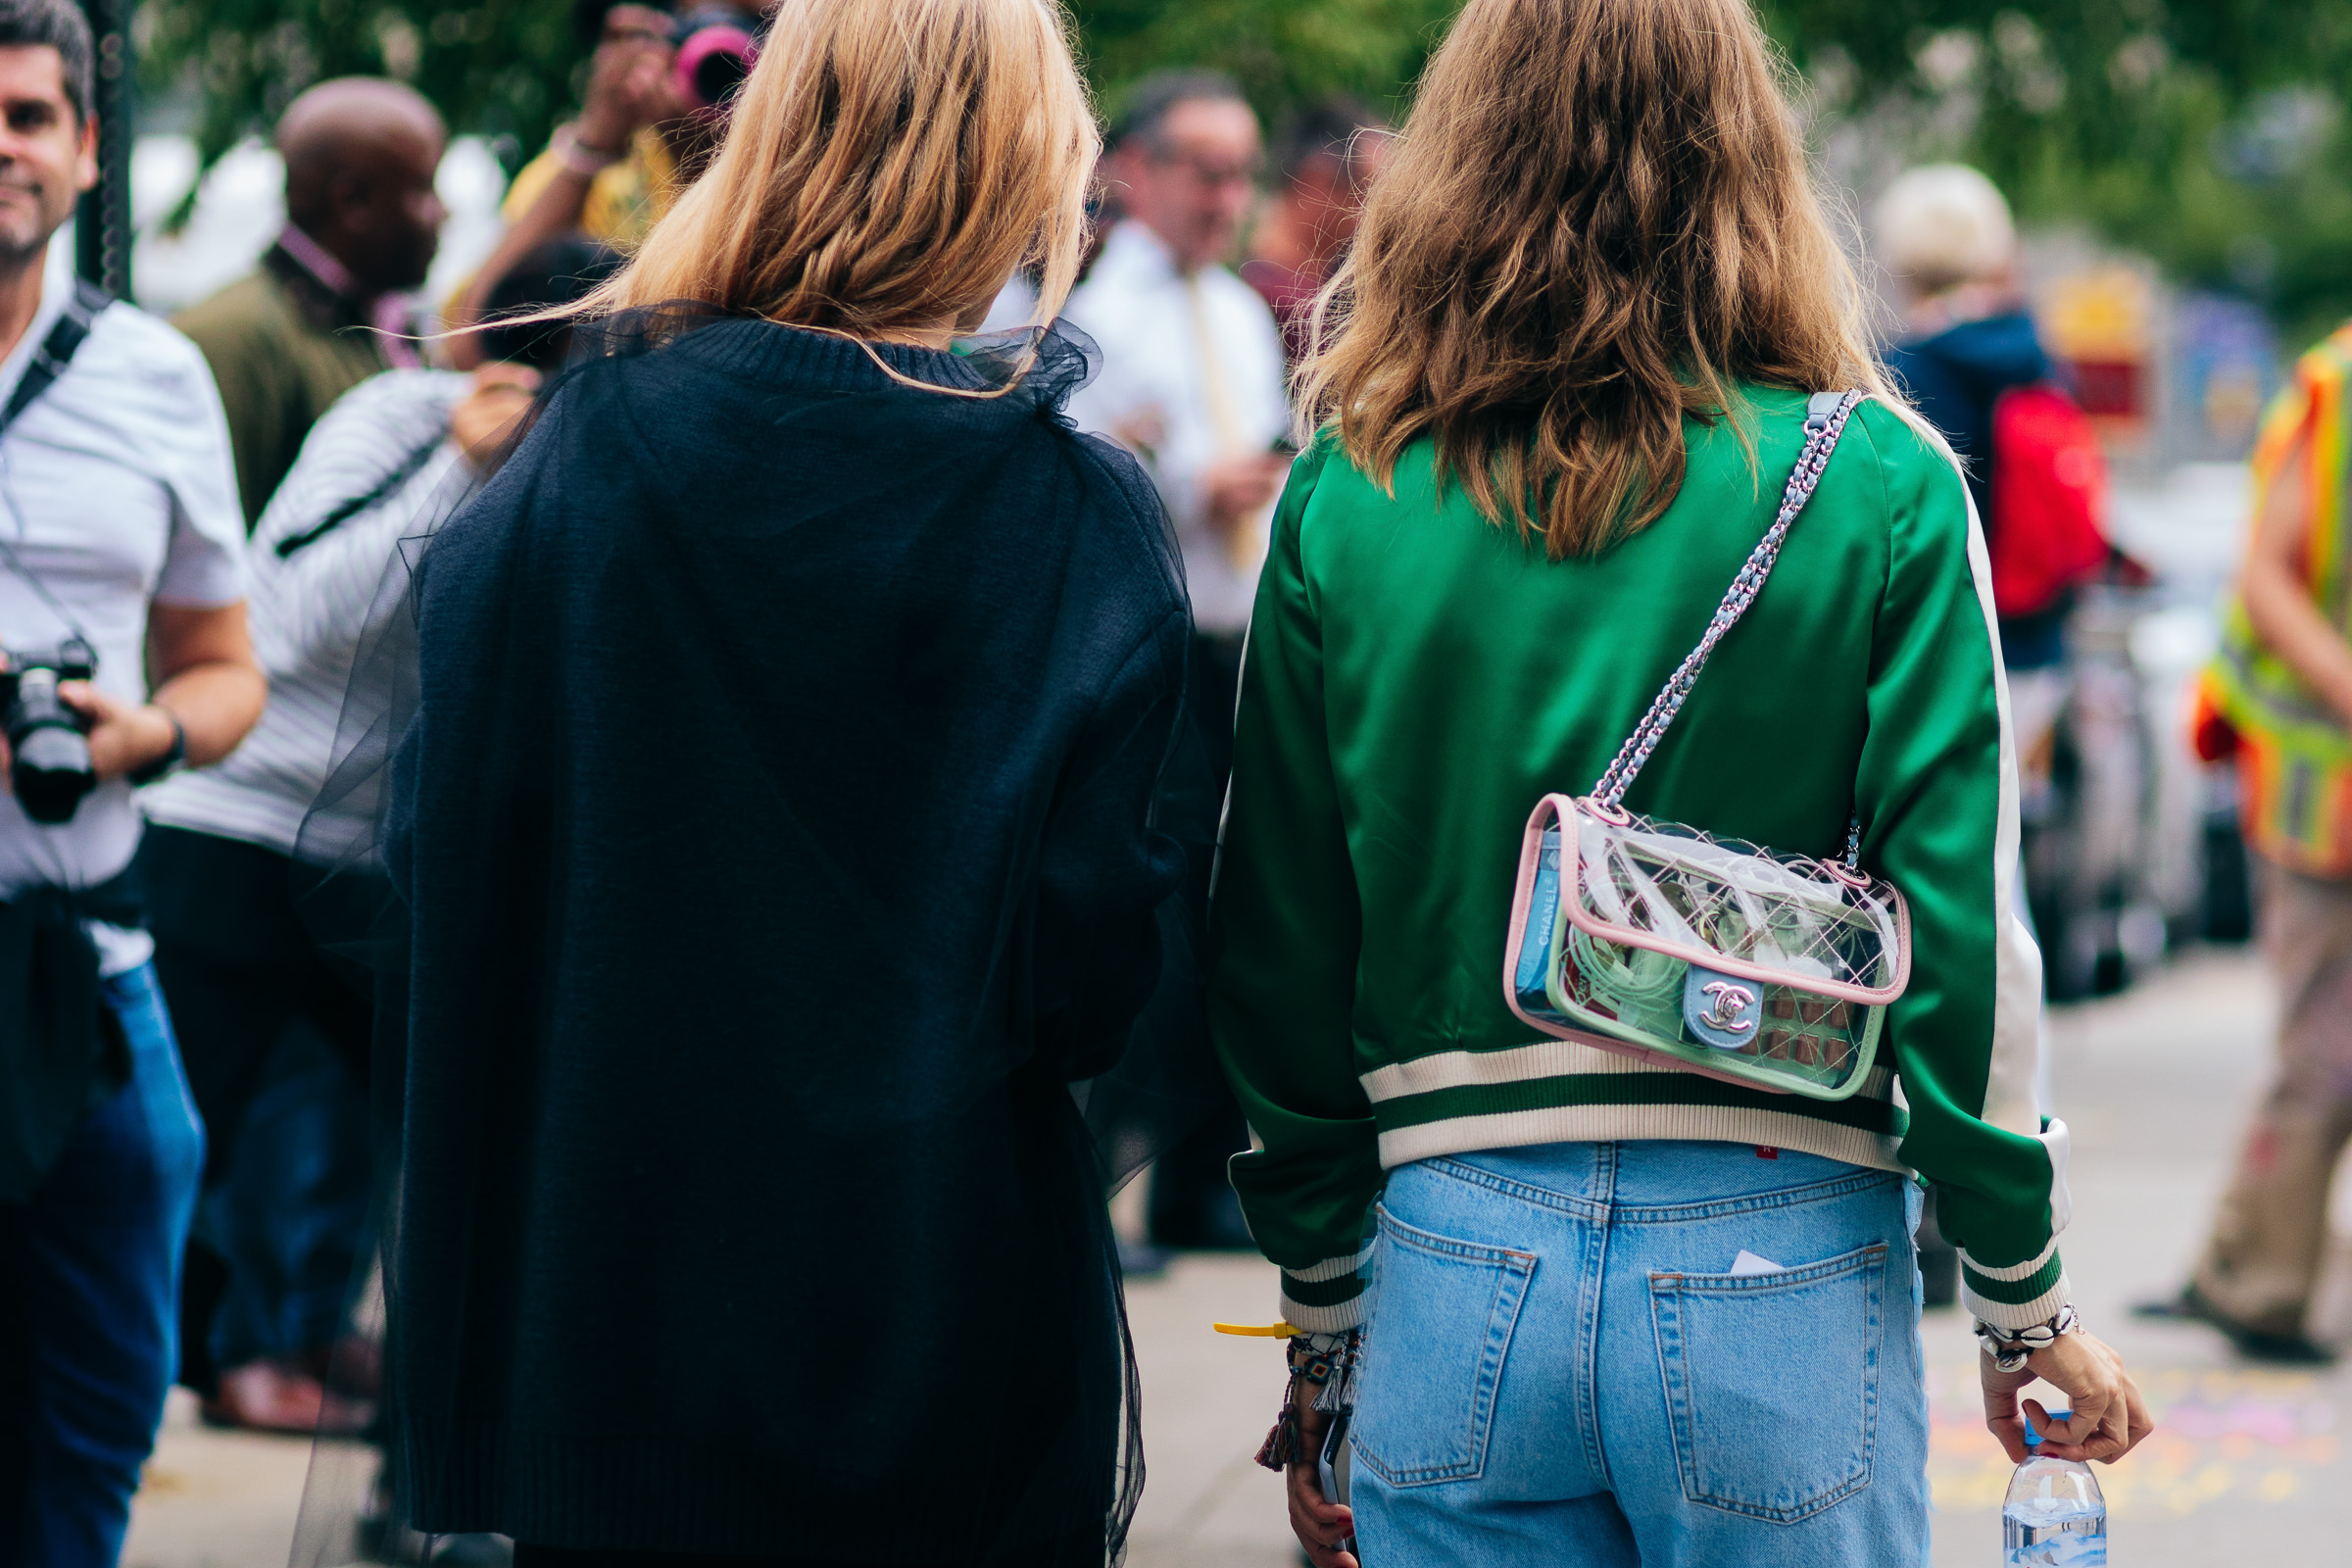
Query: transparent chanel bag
{"type": "Point", "coordinates": [1662, 942]}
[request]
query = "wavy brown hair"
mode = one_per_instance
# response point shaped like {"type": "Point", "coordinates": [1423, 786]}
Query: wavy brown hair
{"type": "Point", "coordinates": [888, 164]}
{"type": "Point", "coordinates": [1597, 222]}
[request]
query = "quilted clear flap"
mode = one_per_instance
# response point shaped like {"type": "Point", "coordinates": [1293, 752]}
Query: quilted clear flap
{"type": "Point", "coordinates": [1778, 919]}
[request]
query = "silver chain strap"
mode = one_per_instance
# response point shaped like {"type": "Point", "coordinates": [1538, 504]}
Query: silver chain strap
{"type": "Point", "coordinates": [1823, 427]}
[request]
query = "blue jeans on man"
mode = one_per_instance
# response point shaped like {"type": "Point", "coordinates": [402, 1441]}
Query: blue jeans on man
{"type": "Point", "coordinates": [89, 1285]}
{"type": "Point", "coordinates": [1667, 1353]}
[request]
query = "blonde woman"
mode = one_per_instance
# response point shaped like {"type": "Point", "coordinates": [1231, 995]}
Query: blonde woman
{"type": "Point", "coordinates": [774, 831]}
{"type": "Point", "coordinates": [1614, 1312]}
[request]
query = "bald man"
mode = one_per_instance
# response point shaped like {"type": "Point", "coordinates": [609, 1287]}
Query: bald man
{"type": "Point", "coordinates": [311, 320]}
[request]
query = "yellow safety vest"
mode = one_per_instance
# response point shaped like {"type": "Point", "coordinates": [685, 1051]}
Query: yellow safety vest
{"type": "Point", "coordinates": [2294, 751]}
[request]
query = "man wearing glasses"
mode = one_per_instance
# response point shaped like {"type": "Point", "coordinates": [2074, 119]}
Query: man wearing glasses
{"type": "Point", "coordinates": [1191, 381]}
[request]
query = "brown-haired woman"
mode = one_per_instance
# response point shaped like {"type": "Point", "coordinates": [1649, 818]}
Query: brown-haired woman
{"type": "Point", "coordinates": [1611, 1311]}
{"type": "Point", "coordinates": [775, 834]}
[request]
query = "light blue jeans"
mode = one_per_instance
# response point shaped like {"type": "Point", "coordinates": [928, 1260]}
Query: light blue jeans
{"type": "Point", "coordinates": [1562, 1367]}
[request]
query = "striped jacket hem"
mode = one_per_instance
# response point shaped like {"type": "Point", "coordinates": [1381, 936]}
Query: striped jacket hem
{"type": "Point", "coordinates": [1326, 1297]}
{"type": "Point", "coordinates": [2019, 1294]}
{"type": "Point", "coordinates": [1559, 1091]}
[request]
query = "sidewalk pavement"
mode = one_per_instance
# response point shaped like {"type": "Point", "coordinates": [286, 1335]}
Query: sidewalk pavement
{"type": "Point", "coordinates": [2250, 1464]}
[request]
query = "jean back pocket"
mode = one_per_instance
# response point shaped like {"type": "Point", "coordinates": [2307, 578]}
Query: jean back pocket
{"type": "Point", "coordinates": [1772, 1382]}
{"type": "Point", "coordinates": [1442, 1313]}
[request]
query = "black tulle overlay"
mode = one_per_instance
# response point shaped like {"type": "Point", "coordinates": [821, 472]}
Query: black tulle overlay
{"type": "Point", "coordinates": [873, 1300]}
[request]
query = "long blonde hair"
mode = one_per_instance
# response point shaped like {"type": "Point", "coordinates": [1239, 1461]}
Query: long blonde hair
{"type": "Point", "coordinates": [889, 164]}
{"type": "Point", "coordinates": [1598, 220]}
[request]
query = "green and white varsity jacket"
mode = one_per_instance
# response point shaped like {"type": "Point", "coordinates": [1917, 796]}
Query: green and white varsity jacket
{"type": "Point", "coordinates": [1416, 678]}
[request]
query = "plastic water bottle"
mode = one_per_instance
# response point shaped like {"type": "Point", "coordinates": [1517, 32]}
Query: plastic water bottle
{"type": "Point", "coordinates": [2054, 1516]}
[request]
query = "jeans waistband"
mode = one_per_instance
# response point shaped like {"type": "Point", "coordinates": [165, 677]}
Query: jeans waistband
{"type": "Point", "coordinates": [1661, 1181]}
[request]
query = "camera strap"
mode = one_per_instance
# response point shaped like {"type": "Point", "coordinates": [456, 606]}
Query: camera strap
{"type": "Point", "coordinates": [49, 362]}
{"type": "Point", "coordinates": [57, 349]}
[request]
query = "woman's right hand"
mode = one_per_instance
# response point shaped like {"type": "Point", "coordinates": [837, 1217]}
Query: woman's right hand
{"type": "Point", "coordinates": [628, 82]}
{"type": "Point", "coordinates": [2109, 1415]}
{"type": "Point", "coordinates": [1320, 1526]}
{"type": "Point", "coordinates": [480, 423]}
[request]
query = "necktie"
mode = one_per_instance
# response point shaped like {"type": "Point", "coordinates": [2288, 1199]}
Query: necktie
{"type": "Point", "coordinates": [1247, 544]}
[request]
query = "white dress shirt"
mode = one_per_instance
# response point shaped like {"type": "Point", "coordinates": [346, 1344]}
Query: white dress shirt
{"type": "Point", "coordinates": [116, 492]}
{"type": "Point", "coordinates": [1197, 362]}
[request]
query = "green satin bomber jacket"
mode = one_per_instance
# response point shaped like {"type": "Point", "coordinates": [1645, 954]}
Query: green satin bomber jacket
{"type": "Point", "coordinates": [1417, 677]}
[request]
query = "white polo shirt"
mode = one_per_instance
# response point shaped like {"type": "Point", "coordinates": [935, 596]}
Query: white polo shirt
{"type": "Point", "coordinates": [117, 491]}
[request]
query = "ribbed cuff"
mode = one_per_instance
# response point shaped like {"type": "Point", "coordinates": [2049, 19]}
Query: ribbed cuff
{"type": "Point", "coordinates": [1327, 1297]}
{"type": "Point", "coordinates": [2018, 1296]}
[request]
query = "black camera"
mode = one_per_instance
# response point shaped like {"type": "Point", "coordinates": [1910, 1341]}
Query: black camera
{"type": "Point", "coordinates": [49, 756]}
{"type": "Point", "coordinates": [717, 46]}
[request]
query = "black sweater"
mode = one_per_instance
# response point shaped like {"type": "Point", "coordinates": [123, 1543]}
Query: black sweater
{"type": "Point", "coordinates": [774, 828]}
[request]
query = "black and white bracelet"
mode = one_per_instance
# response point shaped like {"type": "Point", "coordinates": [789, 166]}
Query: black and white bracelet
{"type": "Point", "coordinates": [1319, 1357]}
{"type": "Point", "coordinates": [2011, 1348]}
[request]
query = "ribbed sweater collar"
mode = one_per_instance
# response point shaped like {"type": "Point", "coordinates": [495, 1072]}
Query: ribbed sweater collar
{"type": "Point", "coordinates": [794, 355]}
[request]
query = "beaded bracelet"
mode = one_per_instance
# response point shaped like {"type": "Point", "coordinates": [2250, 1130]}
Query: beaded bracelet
{"type": "Point", "coordinates": [1326, 1363]}
{"type": "Point", "coordinates": [1317, 1358]}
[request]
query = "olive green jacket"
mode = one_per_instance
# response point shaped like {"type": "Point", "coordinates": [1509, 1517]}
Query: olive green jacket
{"type": "Point", "coordinates": [283, 348]}
{"type": "Point", "coordinates": [1417, 677]}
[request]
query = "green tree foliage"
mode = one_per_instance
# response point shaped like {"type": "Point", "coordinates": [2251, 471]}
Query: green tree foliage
{"type": "Point", "coordinates": [2211, 133]}
{"type": "Point", "coordinates": [512, 68]}
{"type": "Point", "coordinates": [1283, 52]}
{"type": "Point", "coordinates": [501, 67]}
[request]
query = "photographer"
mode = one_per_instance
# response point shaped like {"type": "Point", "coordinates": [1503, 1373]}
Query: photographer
{"type": "Point", "coordinates": [118, 517]}
{"type": "Point", "coordinates": [654, 113]}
